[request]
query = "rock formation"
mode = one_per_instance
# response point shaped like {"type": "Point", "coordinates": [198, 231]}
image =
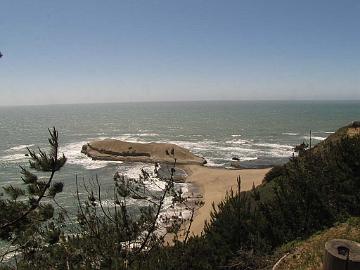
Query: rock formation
{"type": "Point", "coordinates": [116, 150]}
{"type": "Point", "coordinates": [165, 171]}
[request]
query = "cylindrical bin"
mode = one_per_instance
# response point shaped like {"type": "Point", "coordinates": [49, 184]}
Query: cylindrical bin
{"type": "Point", "coordinates": [342, 254]}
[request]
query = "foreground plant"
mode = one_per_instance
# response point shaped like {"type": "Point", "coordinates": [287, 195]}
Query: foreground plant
{"type": "Point", "coordinates": [103, 235]}
{"type": "Point", "coordinates": [112, 237]}
{"type": "Point", "coordinates": [26, 209]}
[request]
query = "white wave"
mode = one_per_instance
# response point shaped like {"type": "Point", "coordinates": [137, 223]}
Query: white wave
{"type": "Point", "coordinates": [141, 134]}
{"type": "Point", "coordinates": [14, 158]}
{"type": "Point", "coordinates": [170, 210]}
{"type": "Point", "coordinates": [153, 184]}
{"type": "Point", "coordinates": [248, 158]}
{"type": "Point", "coordinates": [317, 138]}
{"type": "Point", "coordinates": [74, 156]}
{"type": "Point", "coordinates": [127, 138]}
{"type": "Point", "coordinates": [216, 152]}
{"type": "Point", "coordinates": [238, 141]}
{"type": "Point", "coordinates": [274, 150]}
{"type": "Point", "coordinates": [236, 135]}
{"type": "Point", "coordinates": [290, 133]}
{"type": "Point", "coordinates": [278, 153]}
{"type": "Point", "coordinates": [148, 134]}
{"type": "Point", "coordinates": [135, 170]}
{"type": "Point", "coordinates": [96, 164]}
{"type": "Point", "coordinates": [329, 132]}
{"type": "Point", "coordinates": [213, 163]}
{"type": "Point", "coordinates": [183, 186]}
{"type": "Point", "coordinates": [274, 145]}
{"type": "Point", "coordinates": [199, 145]}
{"type": "Point", "coordinates": [129, 201]}
{"type": "Point", "coordinates": [232, 149]}
{"type": "Point", "coordinates": [19, 147]}
{"type": "Point", "coordinates": [173, 210]}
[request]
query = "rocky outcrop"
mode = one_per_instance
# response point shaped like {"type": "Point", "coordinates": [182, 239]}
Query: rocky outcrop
{"type": "Point", "coordinates": [116, 150]}
{"type": "Point", "coordinates": [165, 171]}
{"type": "Point", "coordinates": [259, 163]}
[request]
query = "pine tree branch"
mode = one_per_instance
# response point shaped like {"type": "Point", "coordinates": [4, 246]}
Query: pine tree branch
{"type": "Point", "coordinates": [189, 227]}
{"type": "Point", "coordinates": [153, 226]}
{"type": "Point", "coordinates": [34, 205]}
{"type": "Point", "coordinates": [54, 167]}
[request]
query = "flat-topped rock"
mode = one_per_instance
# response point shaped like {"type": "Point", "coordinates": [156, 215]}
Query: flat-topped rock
{"type": "Point", "coordinates": [116, 150]}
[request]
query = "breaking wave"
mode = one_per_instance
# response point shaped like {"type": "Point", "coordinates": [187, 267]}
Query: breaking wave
{"type": "Point", "coordinates": [317, 138]}
{"type": "Point", "coordinates": [19, 147]}
{"type": "Point", "coordinates": [74, 156]}
{"type": "Point", "coordinates": [290, 133]}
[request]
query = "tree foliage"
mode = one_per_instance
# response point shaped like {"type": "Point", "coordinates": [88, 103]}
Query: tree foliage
{"type": "Point", "coordinates": [25, 208]}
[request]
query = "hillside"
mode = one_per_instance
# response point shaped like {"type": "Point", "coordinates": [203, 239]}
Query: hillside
{"type": "Point", "coordinates": [308, 254]}
{"type": "Point", "coordinates": [351, 130]}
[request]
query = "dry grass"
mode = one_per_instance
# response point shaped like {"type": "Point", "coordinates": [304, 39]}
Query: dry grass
{"type": "Point", "coordinates": [308, 254]}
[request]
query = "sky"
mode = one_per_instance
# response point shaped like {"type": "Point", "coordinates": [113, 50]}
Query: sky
{"type": "Point", "coordinates": [86, 51]}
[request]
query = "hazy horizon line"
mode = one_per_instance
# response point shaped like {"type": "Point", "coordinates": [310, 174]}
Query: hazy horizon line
{"type": "Point", "coordinates": [178, 101]}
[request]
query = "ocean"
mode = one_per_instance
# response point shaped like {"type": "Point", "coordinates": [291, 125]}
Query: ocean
{"type": "Point", "coordinates": [216, 130]}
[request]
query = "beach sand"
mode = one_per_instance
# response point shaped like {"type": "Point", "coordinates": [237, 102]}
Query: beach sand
{"type": "Point", "coordinates": [213, 184]}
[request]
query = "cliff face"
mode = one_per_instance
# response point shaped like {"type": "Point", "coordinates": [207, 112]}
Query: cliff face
{"type": "Point", "coordinates": [116, 150]}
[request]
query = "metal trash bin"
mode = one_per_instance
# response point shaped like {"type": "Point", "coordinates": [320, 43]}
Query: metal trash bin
{"type": "Point", "coordinates": [342, 254]}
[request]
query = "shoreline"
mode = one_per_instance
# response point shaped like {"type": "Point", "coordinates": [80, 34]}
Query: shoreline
{"type": "Point", "coordinates": [213, 183]}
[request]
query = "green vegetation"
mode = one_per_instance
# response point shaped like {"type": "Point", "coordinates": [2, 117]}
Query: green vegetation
{"type": "Point", "coordinates": [248, 230]}
{"type": "Point", "coordinates": [25, 211]}
{"type": "Point", "coordinates": [311, 192]}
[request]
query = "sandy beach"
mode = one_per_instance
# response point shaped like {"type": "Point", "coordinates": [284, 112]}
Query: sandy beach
{"type": "Point", "coordinates": [213, 184]}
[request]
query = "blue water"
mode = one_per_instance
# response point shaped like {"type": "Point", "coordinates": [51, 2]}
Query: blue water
{"type": "Point", "coordinates": [217, 131]}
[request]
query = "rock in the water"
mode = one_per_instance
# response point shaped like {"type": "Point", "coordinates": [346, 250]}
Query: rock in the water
{"type": "Point", "coordinates": [259, 163]}
{"type": "Point", "coordinates": [355, 124]}
{"type": "Point", "coordinates": [164, 173]}
{"type": "Point", "coordinates": [116, 150]}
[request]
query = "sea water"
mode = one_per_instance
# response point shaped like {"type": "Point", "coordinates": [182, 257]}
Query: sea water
{"type": "Point", "coordinates": [216, 130]}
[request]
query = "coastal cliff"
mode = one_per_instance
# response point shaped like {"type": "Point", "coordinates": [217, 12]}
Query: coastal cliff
{"type": "Point", "coordinates": [116, 150]}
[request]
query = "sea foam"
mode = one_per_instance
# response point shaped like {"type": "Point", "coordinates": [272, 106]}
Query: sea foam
{"type": "Point", "coordinates": [317, 138]}
{"type": "Point", "coordinates": [74, 156]}
{"type": "Point", "coordinates": [290, 133]}
{"type": "Point", "coordinates": [14, 158]}
{"type": "Point", "coordinates": [19, 147]}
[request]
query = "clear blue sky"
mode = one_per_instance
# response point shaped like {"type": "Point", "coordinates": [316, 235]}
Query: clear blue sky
{"type": "Point", "coordinates": [119, 51]}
